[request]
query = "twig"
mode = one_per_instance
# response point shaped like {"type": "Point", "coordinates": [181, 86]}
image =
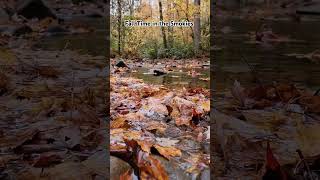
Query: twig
{"type": "Point", "coordinates": [305, 164]}
{"type": "Point", "coordinates": [72, 95]}
{"type": "Point", "coordinates": [252, 69]}
{"type": "Point", "coordinates": [63, 49]}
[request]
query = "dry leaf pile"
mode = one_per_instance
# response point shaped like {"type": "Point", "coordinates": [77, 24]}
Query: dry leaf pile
{"type": "Point", "coordinates": [151, 121]}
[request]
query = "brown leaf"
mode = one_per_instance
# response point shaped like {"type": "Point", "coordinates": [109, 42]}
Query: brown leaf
{"type": "Point", "coordinates": [4, 82]}
{"type": "Point", "coordinates": [119, 122]}
{"type": "Point", "coordinates": [287, 92]}
{"type": "Point", "coordinates": [127, 175]}
{"type": "Point", "coordinates": [48, 71]}
{"type": "Point", "coordinates": [145, 145]}
{"type": "Point", "coordinates": [18, 139]}
{"type": "Point", "coordinates": [151, 168]}
{"type": "Point", "coordinates": [312, 103]}
{"type": "Point", "coordinates": [117, 147]}
{"type": "Point", "coordinates": [238, 93]}
{"type": "Point", "coordinates": [47, 160]}
{"type": "Point", "coordinates": [168, 152]}
{"type": "Point", "coordinates": [159, 127]}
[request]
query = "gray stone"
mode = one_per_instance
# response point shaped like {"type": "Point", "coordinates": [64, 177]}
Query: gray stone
{"type": "Point", "coordinates": [117, 167]}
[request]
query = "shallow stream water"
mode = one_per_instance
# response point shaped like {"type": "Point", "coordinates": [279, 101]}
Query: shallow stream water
{"type": "Point", "coordinates": [85, 43]}
{"type": "Point", "coordinates": [175, 79]}
{"type": "Point", "coordinates": [269, 60]}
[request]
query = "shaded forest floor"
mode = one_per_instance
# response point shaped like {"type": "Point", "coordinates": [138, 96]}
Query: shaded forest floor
{"type": "Point", "coordinates": [247, 118]}
{"type": "Point", "coordinates": [266, 91]}
{"type": "Point", "coordinates": [52, 103]}
{"type": "Point", "coordinates": [166, 127]}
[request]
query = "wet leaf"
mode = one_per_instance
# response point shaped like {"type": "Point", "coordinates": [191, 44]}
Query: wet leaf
{"type": "Point", "coordinates": [168, 152]}
{"type": "Point", "coordinates": [4, 83]}
{"type": "Point", "coordinates": [20, 137]}
{"type": "Point", "coordinates": [48, 72]}
{"type": "Point", "coordinates": [145, 145]}
{"type": "Point", "coordinates": [238, 93]}
{"type": "Point", "coordinates": [47, 160]}
{"type": "Point", "coordinates": [151, 168]}
{"type": "Point", "coordinates": [119, 122]}
{"type": "Point", "coordinates": [206, 106]}
{"type": "Point", "coordinates": [166, 142]}
{"type": "Point", "coordinates": [312, 103]}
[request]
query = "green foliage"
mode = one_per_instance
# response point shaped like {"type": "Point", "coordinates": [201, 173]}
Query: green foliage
{"type": "Point", "coordinates": [150, 49]}
{"type": "Point", "coordinates": [153, 50]}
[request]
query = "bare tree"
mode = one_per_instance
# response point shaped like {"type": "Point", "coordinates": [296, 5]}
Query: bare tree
{"type": "Point", "coordinates": [119, 25]}
{"type": "Point", "coordinates": [170, 29]}
{"type": "Point", "coordinates": [131, 7]}
{"type": "Point", "coordinates": [162, 28]}
{"type": "Point", "coordinates": [197, 33]}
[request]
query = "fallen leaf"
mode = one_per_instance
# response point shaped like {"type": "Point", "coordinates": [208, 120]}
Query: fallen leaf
{"type": "Point", "coordinates": [18, 138]}
{"type": "Point", "coordinates": [238, 93]}
{"type": "Point", "coordinates": [145, 145]}
{"type": "Point", "coordinates": [48, 71]}
{"type": "Point", "coordinates": [168, 152]}
{"type": "Point", "coordinates": [206, 105]}
{"type": "Point", "coordinates": [166, 142]}
{"type": "Point", "coordinates": [4, 83]}
{"type": "Point", "coordinates": [47, 160]}
{"type": "Point", "coordinates": [119, 122]}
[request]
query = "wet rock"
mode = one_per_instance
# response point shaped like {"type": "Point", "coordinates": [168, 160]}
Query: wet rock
{"type": "Point", "coordinates": [117, 167]}
{"type": "Point", "coordinates": [158, 72]}
{"type": "Point", "coordinates": [120, 63]}
{"type": "Point", "coordinates": [173, 170]}
{"type": "Point", "coordinates": [34, 9]}
{"type": "Point", "coordinates": [98, 163]}
{"type": "Point", "coordinates": [205, 175]}
{"type": "Point", "coordinates": [189, 145]}
{"type": "Point", "coordinates": [173, 131]}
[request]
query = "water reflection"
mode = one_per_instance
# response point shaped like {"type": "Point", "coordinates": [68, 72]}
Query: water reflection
{"type": "Point", "coordinates": [175, 79]}
{"type": "Point", "coordinates": [87, 43]}
{"type": "Point", "coordinates": [270, 61]}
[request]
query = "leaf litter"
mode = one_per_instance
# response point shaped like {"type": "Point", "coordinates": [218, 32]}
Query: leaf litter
{"type": "Point", "coordinates": [154, 128]}
{"type": "Point", "coordinates": [263, 131]}
{"type": "Point", "coordinates": [52, 123]}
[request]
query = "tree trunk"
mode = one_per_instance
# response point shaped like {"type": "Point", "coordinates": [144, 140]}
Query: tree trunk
{"type": "Point", "coordinates": [131, 7]}
{"type": "Point", "coordinates": [197, 33]}
{"type": "Point", "coordinates": [170, 29]}
{"type": "Point", "coordinates": [162, 28]}
{"type": "Point", "coordinates": [119, 26]}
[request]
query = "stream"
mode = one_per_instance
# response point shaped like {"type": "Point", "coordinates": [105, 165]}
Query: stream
{"type": "Point", "coordinates": [175, 79]}
{"type": "Point", "coordinates": [89, 43]}
{"type": "Point", "coordinates": [269, 60]}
